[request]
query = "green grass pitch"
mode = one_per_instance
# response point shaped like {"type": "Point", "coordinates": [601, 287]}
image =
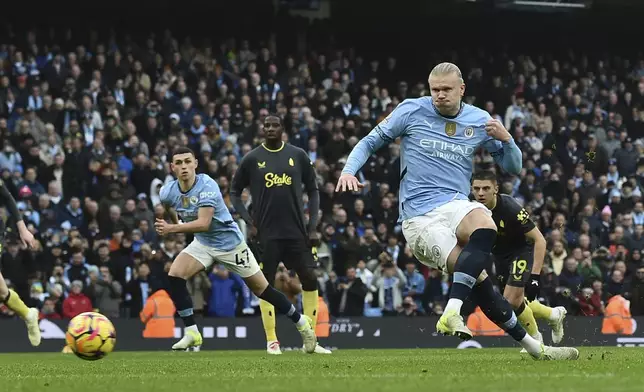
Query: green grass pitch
{"type": "Point", "coordinates": [478, 370]}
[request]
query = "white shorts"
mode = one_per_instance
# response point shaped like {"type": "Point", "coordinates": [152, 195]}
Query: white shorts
{"type": "Point", "coordinates": [432, 236]}
{"type": "Point", "coordinates": [240, 260]}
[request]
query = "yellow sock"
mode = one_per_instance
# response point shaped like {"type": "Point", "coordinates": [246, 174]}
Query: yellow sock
{"type": "Point", "coordinates": [268, 319]}
{"type": "Point", "coordinates": [540, 311]}
{"type": "Point", "coordinates": [526, 318]}
{"type": "Point", "coordinates": [310, 305]}
{"type": "Point", "coordinates": [14, 303]}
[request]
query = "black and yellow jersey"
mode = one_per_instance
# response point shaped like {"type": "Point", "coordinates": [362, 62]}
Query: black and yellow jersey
{"type": "Point", "coordinates": [512, 222]}
{"type": "Point", "coordinates": [276, 179]}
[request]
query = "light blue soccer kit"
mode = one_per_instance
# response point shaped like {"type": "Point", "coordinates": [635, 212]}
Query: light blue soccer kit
{"type": "Point", "coordinates": [223, 242]}
{"type": "Point", "coordinates": [436, 168]}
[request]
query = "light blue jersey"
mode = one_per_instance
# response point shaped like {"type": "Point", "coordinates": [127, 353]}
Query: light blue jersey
{"type": "Point", "coordinates": [223, 234]}
{"type": "Point", "coordinates": [436, 153]}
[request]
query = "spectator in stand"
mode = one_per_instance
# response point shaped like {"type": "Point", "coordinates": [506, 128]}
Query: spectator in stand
{"type": "Point", "coordinates": [228, 289]}
{"type": "Point", "coordinates": [76, 302]}
{"type": "Point", "coordinates": [388, 288]}
{"type": "Point", "coordinates": [105, 292]}
{"type": "Point", "coordinates": [49, 311]}
{"type": "Point", "coordinates": [589, 301]}
{"type": "Point", "coordinates": [414, 284]}
{"type": "Point", "coordinates": [346, 296]}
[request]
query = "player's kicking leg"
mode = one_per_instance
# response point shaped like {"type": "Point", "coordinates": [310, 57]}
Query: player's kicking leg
{"type": "Point", "coordinates": [430, 237]}
{"type": "Point", "coordinates": [499, 310]}
{"type": "Point", "coordinates": [183, 268]}
{"type": "Point", "coordinates": [29, 315]}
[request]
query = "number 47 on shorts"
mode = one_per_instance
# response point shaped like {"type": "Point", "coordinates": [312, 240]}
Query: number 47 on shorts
{"type": "Point", "coordinates": [242, 258]}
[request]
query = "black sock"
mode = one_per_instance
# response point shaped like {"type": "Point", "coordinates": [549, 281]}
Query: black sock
{"type": "Point", "coordinates": [498, 309]}
{"type": "Point", "coordinates": [471, 262]}
{"type": "Point", "coordinates": [281, 303]}
{"type": "Point", "coordinates": [520, 309]}
{"type": "Point", "coordinates": [182, 300]}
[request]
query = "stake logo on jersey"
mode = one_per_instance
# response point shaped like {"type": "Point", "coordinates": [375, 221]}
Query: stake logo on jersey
{"type": "Point", "coordinates": [273, 179]}
{"type": "Point", "coordinates": [223, 233]}
{"type": "Point", "coordinates": [276, 179]}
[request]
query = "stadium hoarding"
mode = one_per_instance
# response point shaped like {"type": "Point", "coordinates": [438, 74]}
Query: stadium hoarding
{"type": "Point", "coordinates": [346, 333]}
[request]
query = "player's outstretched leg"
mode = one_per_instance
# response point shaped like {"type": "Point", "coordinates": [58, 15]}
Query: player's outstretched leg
{"type": "Point", "coordinates": [554, 317]}
{"type": "Point", "coordinates": [499, 310]}
{"type": "Point", "coordinates": [29, 315]}
{"type": "Point", "coordinates": [260, 287]}
{"type": "Point", "coordinates": [184, 267]}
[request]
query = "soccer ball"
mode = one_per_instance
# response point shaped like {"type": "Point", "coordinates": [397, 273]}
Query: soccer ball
{"type": "Point", "coordinates": [91, 336]}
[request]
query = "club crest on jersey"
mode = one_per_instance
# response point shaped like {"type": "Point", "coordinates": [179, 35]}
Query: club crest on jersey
{"type": "Point", "coordinates": [523, 216]}
{"type": "Point", "coordinates": [436, 252]}
{"type": "Point", "coordinates": [450, 128]}
{"type": "Point", "coordinates": [290, 162]}
{"type": "Point", "coordinates": [469, 132]}
{"type": "Point", "coordinates": [194, 200]}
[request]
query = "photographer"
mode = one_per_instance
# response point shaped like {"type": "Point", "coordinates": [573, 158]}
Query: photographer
{"type": "Point", "coordinates": [105, 292]}
{"type": "Point", "coordinates": [408, 308]}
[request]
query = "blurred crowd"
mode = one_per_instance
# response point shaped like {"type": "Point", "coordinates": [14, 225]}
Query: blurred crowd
{"type": "Point", "coordinates": [87, 123]}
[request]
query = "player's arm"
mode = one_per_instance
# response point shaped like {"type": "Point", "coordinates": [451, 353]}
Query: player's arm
{"type": "Point", "coordinates": [199, 225]}
{"type": "Point", "coordinates": [166, 202]}
{"type": "Point", "coordinates": [241, 180]}
{"type": "Point", "coordinates": [311, 186]}
{"type": "Point", "coordinates": [539, 249]}
{"type": "Point", "coordinates": [502, 147]}
{"type": "Point", "coordinates": [386, 132]}
{"type": "Point", "coordinates": [10, 203]}
{"type": "Point", "coordinates": [530, 230]}
{"type": "Point", "coordinates": [12, 207]}
{"type": "Point", "coordinates": [173, 214]}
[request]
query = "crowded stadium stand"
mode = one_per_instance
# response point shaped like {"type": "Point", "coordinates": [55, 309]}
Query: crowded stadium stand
{"type": "Point", "coordinates": [89, 115]}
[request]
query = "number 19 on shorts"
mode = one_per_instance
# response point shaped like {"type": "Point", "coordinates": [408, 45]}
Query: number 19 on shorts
{"type": "Point", "coordinates": [518, 268]}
